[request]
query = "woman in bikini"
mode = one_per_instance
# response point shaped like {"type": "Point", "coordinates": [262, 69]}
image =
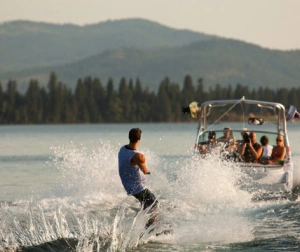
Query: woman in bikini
{"type": "Point", "coordinates": [278, 152]}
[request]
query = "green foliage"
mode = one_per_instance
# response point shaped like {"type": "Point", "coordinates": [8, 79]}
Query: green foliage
{"type": "Point", "coordinates": [218, 61]}
{"type": "Point", "coordinates": [130, 102]}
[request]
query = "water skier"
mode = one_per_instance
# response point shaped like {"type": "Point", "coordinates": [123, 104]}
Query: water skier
{"type": "Point", "coordinates": [132, 171]}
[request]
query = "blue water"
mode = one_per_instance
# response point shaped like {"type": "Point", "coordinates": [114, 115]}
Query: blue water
{"type": "Point", "coordinates": [60, 191]}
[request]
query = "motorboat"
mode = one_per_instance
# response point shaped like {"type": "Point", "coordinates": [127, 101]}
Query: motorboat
{"type": "Point", "coordinates": [240, 117]}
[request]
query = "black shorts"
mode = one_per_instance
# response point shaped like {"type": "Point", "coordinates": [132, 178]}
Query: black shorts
{"type": "Point", "coordinates": [146, 198]}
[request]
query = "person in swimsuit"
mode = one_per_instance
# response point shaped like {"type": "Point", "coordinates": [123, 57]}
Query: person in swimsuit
{"type": "Point", "coordinates": [132, 171]}
{"type": "Point", "coordinates": [278, 152]}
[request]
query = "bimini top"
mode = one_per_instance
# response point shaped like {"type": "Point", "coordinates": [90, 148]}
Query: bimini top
{"type": "Point", "coordinates": [253, 112]}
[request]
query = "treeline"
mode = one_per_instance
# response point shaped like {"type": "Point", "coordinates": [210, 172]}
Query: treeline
{"type": "Point", "coordinates": [92, 102]}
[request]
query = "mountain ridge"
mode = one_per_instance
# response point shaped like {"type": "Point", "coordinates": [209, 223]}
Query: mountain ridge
{"type": "Point", "coordinates": [151, 54]}
{"type": "Point", "coordinates": [27, 44]}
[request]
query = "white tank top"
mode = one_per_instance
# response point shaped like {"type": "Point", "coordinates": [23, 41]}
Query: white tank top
{"type": "Point", "coordinates": [133, 179]}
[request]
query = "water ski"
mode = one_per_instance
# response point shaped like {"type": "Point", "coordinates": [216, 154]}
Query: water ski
{"type": "Point", "coordinates": [157, 231]}
{"type": "Point", "coordinates": [162, 231]}
{"type": "Point", "coordinates": [165, 232]}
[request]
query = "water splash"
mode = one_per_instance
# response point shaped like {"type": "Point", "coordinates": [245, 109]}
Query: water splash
{"type": "Point", "coordinates": [87, 169]}
{"type": "Point", "coordinates": [207, 200]}
{"type": "Point", "coordinates": [91, 212]}
{"type": "Point", "coordinates": [31, 225]}
{"type": "Point", "coordinates": [200, 199]}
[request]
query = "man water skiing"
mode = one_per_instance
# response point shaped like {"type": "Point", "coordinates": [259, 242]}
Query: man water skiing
{"type": "Point", "coordinates": [132, 170]}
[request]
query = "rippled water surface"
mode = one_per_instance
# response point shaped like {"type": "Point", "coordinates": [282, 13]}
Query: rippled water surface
{"type": "Point", "coordinates": [60, 191]}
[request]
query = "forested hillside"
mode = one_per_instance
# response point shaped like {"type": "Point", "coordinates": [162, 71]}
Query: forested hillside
{"type": "Point", "coordinates": [221, 61]}
{"type": "Point", "coordinates": [26, 44]}
{"type": "Point", "coordinates": [138, 48]}
{"type": "Point", "coordinates": [128, 101]}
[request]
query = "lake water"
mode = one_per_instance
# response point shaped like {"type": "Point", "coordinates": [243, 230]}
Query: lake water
{"type": "Point", "coordinates": [60, 191]}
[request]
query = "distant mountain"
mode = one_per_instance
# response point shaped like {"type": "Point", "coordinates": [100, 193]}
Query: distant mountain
{"type": "Point", "coordinates": [134, 48]}
{"type": "Point", "coordinates": [222, 61]}
{"type": "Point", "coordinates": [25, 44]}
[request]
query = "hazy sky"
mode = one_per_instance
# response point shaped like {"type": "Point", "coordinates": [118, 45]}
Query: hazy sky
{"type": "Point", "coordinates": [269, 23]}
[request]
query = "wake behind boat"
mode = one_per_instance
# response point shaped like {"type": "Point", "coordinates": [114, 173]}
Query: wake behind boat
{"type": "Point", "coordinates": [219, 137]}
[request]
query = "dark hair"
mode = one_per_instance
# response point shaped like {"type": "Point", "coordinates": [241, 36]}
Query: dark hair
{"type": "Point", "coordinates": [211, 135]}
{"type": "Point", "coordinates": [264, 140]}
{"type": "Point", "coordinates": [135, 135]}
{"type": "Point", "coordinates": [246, 137]}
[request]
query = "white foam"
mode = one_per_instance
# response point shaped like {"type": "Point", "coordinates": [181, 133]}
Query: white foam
{"type": "Point", "coordinates": [200, 199]}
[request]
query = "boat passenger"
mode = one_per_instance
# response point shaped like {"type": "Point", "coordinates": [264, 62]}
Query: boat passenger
{"type": "Point", "coordinates": [212, 137]}
{"type": "Point", "coordinates": [232, 145]}
{"type": "Point", "coordinates": [240, 142]}
{"type": "Point", "coordinates": [251, 150]}
{"type": "Point", "coordinates": [267, 149]}
{"type": "Point", "coordinates": [202, 150]}
{"type": "Point", "coordinates": [230, 152]}
{"type": "Point", "coordinates": [229, 141]}
{"type": "Point", "coordinates": [278, 152]}
{"type": "Point", "coordinates": [211, 143]}
{"type": "Point", "coordinates": [227, 135]}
